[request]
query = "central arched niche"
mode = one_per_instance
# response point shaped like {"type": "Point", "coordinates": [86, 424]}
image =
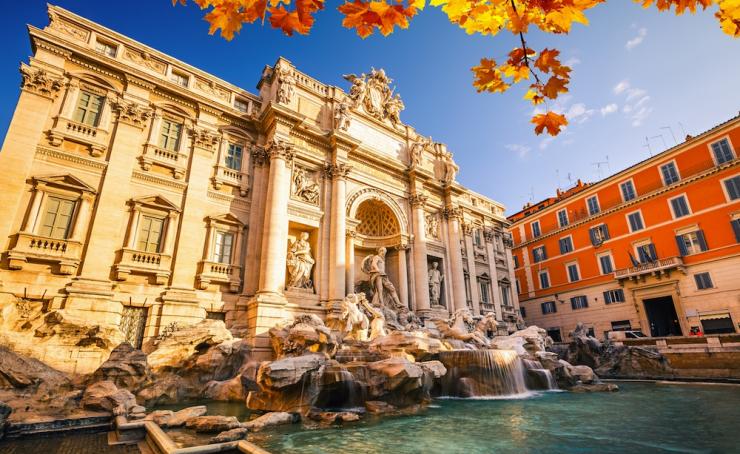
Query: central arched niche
{"type": "Point", "coordinates": [377, 225]}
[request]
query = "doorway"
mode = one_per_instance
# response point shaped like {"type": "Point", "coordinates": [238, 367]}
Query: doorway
{"type": "Point", "coordinates": [662, 317]}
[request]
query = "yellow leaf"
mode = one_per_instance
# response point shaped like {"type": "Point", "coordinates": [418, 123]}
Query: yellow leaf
{"type": "Point", "coordinates": [549, 120]}
{"type": "Point", "coordinates": [488, 77]}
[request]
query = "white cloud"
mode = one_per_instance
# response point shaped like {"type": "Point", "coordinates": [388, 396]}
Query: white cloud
{"type": "Point", "coordinates": [609, 109]}
{"type": "Point", "coordinates": [621, 86]}
{"type": "Point", "coordinates": [639, 116]}
{"type": "Point", "coordinates": [546, 142]}
{"type": "Point", "coordinates": [633, 93]}
{"type": "Point", "coordinates": [637, 40]}
{"type": "Point", "coordinates": [578, 113]}
{"type": "Point", "coordinates": [572, 61]}
{"type": "Point", "coordinates": [521, 150]}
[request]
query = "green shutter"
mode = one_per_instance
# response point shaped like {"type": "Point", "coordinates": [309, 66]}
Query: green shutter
{"type": "Point", "coordinates": [57, 218]}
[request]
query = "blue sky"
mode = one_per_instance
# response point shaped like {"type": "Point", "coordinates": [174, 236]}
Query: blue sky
{"type": "Point", "coordinates": [636, 73]}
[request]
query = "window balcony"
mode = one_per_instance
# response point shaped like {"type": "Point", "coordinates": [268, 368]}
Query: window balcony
{"type": "Point", "coordinates": [146, 263]}
{"type": "Point", "coordinates": [65, 253]}
{"type": "Point", "coordinates": [219, 273]}
{"type": "Point", "coordinates": [227, 176]}
{"type": "Point", "coordinates": [509, 313]}
{"type": "Point", "coordinates": [65, 129]}
{"type": "Point", "coordinates": [170, 159]}
{"type": "Point", "coordinates": [657, 268]}
{"type": "Point", "coordinates": [486, 308]}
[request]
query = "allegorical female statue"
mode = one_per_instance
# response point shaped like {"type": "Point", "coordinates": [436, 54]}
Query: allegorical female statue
{"type": "Point", "coordinates": [300, 263]}
{"type": "Point", "coordinates": [435, 283]}
{"type": "Point", "coordinates": [384, 293]}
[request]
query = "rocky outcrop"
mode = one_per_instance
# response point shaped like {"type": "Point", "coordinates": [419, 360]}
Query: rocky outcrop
{"type": "Point", "coordinates": [5, 411]}
{"type": "Point", "coordinates": [179, 418]}
{"type": "Point", "coordinates": [239, 433]}
{"type": "Point", "coordinates": [305, 334]}
{"type": "Point", "coordinates": [633, 362]}
{"type": "Point", "coordinates": [105, 396]}
{"type": "Point", "coordinates": [275, 418]}
{"type": "Point", "coordinates": [212, 424]}
{"type": "Point", "coordinates": [526, 342]}
{"type": "Point", "coordinates": [289, 384]}
{"type": "Point", "coordinates": [126, 367]}
{"type": "Point", "coordinates": [420, 346]}
{"type": "Point", "coordinates": [183, 344]}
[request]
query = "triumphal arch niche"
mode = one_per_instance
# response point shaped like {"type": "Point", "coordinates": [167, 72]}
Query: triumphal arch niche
{"type": "Point", "coordinates": [179, 196]}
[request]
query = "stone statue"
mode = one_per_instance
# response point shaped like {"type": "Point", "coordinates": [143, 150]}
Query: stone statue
{"type": "Point", "coordinates": [372, 93]}
{"type": "Point", "coordinates": [356, 322]}
{"type": "Point", "coordinates": [393, 108]}
{"type": "Point", "coordinates": [450, 169]}
{"type": "Point", "coordinates": [435, 283]}
{"type": "Point", "coordinates": [383, 290]}
{"type": "Point", "coordinates": [432, 226]}
{"type": "Point", "coordinates": [287, 84]}
{"type": "Point", "coordinates": [300, 263]}
{"type": "Point", "coordinates": [417, 152]}
{"type": "Point", "coordinates": [377, 322]}
{"type": "Point", "coordinates": [304, 188]}
{"type": "Point", "coordinates": [341, 116]}
{"type": "Point", "coordinates": [457, 328]}
{"type": "Point", "coordinates": [357, 91]}
{"type": "Point", "coordinates": [487, 324]}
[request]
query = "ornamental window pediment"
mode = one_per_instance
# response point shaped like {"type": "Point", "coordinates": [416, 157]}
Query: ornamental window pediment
{"type": "Point", "coordinates": [222, 253]}
{"type": "Point", "coordinates": [168, 143]}
{"type": "Point", "coordinates": [232, 161]}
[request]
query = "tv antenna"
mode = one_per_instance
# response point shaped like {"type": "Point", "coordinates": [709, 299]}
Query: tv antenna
{"type": "Point", "coordinates": [682, 130]}
{"type": "Point", "coordinates": [570, 180]}
{"type": "Point", "coordinates": [665, 145]}
{"type": "Point", "coordinates": [599, 165]}
{"type": "Point", "coordinates": [647, 145]}
{"type": "Point", "coordinates": [672, 135]}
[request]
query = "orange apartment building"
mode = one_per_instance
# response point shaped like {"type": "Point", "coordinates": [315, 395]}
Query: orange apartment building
{"type": "Point", "coordinates": [654, 248]}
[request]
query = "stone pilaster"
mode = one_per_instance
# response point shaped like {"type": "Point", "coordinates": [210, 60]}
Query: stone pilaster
{"type": "Point", "coordinates": [403, 275]}
{"type": "Point", "coordinates": [260, 174]}
{"type": "Point", "coordinates": [453, 216]}
{"type": "Point", "coordinates": [493, 272]}
{"type": "Point", "coordinates": [349, 280]}
{"type": "Point", "coordinates": [39, 90]}
{"type": "Point", "coordinates": [474, 294]}
{"type": "Point", "coordinates": [337, 251]}
{"type": "Point", "coordinates": [421, 277]}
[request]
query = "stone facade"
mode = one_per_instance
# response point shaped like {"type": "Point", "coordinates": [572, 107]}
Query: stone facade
{"type": "Point", "coordinates": [140, 192]}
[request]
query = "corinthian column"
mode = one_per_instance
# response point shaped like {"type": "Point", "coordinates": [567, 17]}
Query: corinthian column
{"type": "Point", "coordinates": [337, 249]}
{"type": "Point", "coordinates": [453, 216]}
{"type": "Point", "coordinates": [421, 278]}
{"type": "Point", "coordinates": [275, 230]}
{"type": "Point", "coordinates": [495, 295]}
{"type": "Point", "coordinates": [474, 297]}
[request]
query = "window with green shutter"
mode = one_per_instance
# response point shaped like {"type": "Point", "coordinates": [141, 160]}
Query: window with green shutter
{"type": "Point", "coordinates": [150, 233]}
{"type": "Point", "coordinates": [88, 109]}
{"type": "Point", "coordinates": [57, 218]}
{"type": "Point", "coordinates": [169, 137]}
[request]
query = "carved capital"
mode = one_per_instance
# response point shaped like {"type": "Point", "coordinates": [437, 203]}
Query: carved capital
{"type": "Point", "coordinates": [204, 138]}
{"type": "Point", "coordinates": [467, 228]}
{"type": "Point", "coordinates": [132, 113]}
{"type": "Point", "coordinates": [280, 149]}
{"type": "Point", "coordinates": [418, 200]}
{"type": "Point", "coordinates": [401, 247]}
{"type": "Point", "coordinates": [339, 170]}
{"type": "Point", "coordinates": [351, 233]}
{"type": "Point", "coordinates": [508, 240]}
{"type": "Point", "coordinates": [489, 235]}
{"type": "Point", "coordinates": [38, 81]}
{"type": "Point", "coordinates": [452, 213]}
{"type": "Point", "coordinates": [260, 156]}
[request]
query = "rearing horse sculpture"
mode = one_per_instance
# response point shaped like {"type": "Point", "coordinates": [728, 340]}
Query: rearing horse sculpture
{"type": "Point", "coordinates": [455, 328]}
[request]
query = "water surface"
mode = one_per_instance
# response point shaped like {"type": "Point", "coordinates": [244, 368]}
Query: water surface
{"type": "Point", "coordinates": [641, 418]}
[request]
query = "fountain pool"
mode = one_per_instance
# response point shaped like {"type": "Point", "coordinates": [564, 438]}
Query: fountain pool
{"type": "Point", "coordinates": [642, 417]}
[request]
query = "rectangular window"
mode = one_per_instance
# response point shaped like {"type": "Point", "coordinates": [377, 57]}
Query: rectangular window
{"type": "Point", "coordinates": [179, 78]}
{"type": "Point", "coordinates": [539, 254]}
{"type": "Point", "coordinates": [222, 247]}
{"type": "Point", "coordinates": [106, 48]}
{"type": "Point", "coordinates": [722, 151]}
{"type": "Point", "coordinates": [566, 245]}
{"type": "Point", "coordinates": [544, 280]}
{"type": "Point", "coordinates": [57, 218]}
{"type": "Point", "coordinates": [606, 264]}
{"type": "Point", "coordinates": [635, 220]}
{"type": "Point", "coordinates": [548, 307]}
{"type": "Point", "coordinates": [593, 205]}
{"type": "Point", "coordinates": [150, 233]}
{"type": "Point", "coordinates": [563, 218]}
{"type": "Point", "coordinates": [669, 173]}
{"type": "Point", "coordinates": [599, 234]}
{"type": "Point", "coordinates": [483, 290]}
{"type": "Point", "coordinates": [646, 253]}
{"type": "Point", "coordinates": [579, 302]}
{"type": "Point", "coordinates": [679, 206]}
{"type": "Point", "coordinates": [477, 238]}
{"type": "Point", "coordinates": [628, 191]}
{"type": "Point", "coordinates": [536, 229]}
{"type": "Point", "coordinates": [614, 296]}
{"type": "Point", "coordinates": [241, 105]}
{"type": "Point", "coordinates": [169, 137]}
{"type": "Point", "coordinates": [88, 109]}
{"type": "Point", "coordinates": [733, 187]}
{"type": "Point", "coordinates": [516, 261]}
{"type": "Point", "coordinates": [691, 243]}
{"type": "Point", "coordinates": [573, 275]}
{"type": "Point", "coordinates": [523, 312]}
{"type": "Point", "coordinates": [736, 228]}
{"type": "Point", "coordinates": [703, 281]}
{"type": "Point", "coordinates": [554, 334]}
{"type": "Point", "coordinates": [518, 287]}
{"type": "Point", "coordinates": [505, 290]}
{"type": "Point", "coordinates": [622, 325]}
{"type": "Point", "coordinates": [234, 157]}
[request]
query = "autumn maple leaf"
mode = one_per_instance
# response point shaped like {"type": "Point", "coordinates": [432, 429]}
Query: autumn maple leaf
{"type": "Point", "coordinates": [550, 120]}
{"type": "Point", "coordinates": [488, 77]}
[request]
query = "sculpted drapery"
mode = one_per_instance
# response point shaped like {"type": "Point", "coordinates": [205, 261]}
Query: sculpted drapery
{"type": "Point", "coordinates": [300, 263]}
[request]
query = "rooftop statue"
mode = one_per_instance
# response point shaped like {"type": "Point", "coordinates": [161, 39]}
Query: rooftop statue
{"type": "Point", "coordinates": [373, 94]}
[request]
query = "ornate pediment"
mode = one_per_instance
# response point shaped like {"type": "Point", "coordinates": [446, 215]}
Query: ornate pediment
{"type": "Point", "coordinates": [67, 181]}
{"type": "Point", "coordinates": [228, 219]}
{"type": "Point", "coordinates": [372, 95]}
{"type": "Point", "coordinates": [157, 202]}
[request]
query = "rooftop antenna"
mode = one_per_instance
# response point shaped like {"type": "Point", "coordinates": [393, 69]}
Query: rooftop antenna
{"type": "Point", "coordinates": [672, 135]}
{"type": "Point", "coordinates": [647, 144]}
{"type": "Point", "coordinates": [665, 146]}
{"type": "Point", "coordinates": [531, 194]}
{"type": "Point", "coordinates": [557, 175]}
{"type": "Point", "coordinates": [682, 130]}
{"type": "Point", "coordinates": [598, 165]}
{"type": "Point", "coordinates": [570, 180]}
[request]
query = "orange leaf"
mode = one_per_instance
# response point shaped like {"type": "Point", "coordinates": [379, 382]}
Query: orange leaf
{"type": "Point", "coordinates": [367, 16]}
{"type": "Point", "coordinates": [550, 120]}
{"type": "Point", "coordinates": [554, 86]}
{"type": "Point", "coordinates": [488, 77]}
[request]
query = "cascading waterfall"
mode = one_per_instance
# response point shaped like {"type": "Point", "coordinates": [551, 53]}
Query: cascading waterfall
{"type": "Point", "coordinates": [538, 377]}
{"type": "Point", "coordinates": [475, 373]}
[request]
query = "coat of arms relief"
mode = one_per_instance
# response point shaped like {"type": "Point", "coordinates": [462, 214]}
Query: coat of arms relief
{"type": "Point", "coordinates": [372, 93]}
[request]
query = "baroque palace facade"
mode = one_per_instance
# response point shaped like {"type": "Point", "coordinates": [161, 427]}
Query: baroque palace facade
{"type": "Point", "coordinates": [655, 247]}
{"type": "Point", "coordinates": [140, 191]}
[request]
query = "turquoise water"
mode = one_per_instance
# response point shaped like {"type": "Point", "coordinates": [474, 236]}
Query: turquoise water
{"type": "Point", "coordinates": [641, 418]}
